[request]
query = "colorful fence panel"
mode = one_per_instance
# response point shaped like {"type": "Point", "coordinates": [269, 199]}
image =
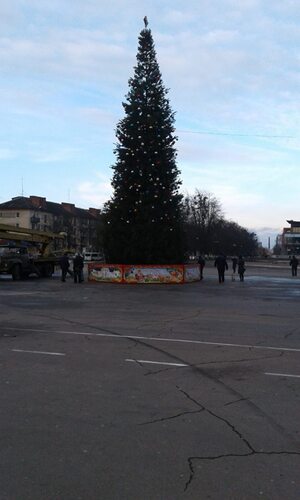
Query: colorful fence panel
{"type": "Point", "coordinates": [139, 274]}
{"type": "Point", "coordinates": [191, 273]}
{"type": "Point", "coordinates": [153, 274]}
{"type": "Point", "coordinates": [105, 273]}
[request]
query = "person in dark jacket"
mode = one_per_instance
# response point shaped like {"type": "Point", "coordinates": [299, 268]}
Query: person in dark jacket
{"type": "Point", "coordinates": [64, 265]}
{"type": "Point", "coordinates": [221, 265]}
{"type": "Point", "coordinates": [234, 265]}
{"type": "Point", "coordinates": [294, 264]}
{"type": "Point", "coordinates": [78, 268]}
{"type": "Point", "coordinates": [201, 262]}
{"type": "Point", "coordinates": [241, 268]}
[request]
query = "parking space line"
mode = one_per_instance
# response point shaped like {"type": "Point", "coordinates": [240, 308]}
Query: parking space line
{"type": "Point", "coordinates": [39, 352]}
{"type": "Point", "coordinates": [115, 336]}
{"type": "Point", "coordinates": [154, 362]}
{"type": "Point", "coordinates": [282, 375]}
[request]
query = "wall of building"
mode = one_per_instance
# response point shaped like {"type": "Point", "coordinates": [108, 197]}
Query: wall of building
{"type": "Point", "coordinates": [289, 240]}
{"type": "Point", "coordinates": [18, 218]}
{"type": "Point", "coordinates": [79, 224]}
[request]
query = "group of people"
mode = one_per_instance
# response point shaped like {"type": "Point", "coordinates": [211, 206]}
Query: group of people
{"type": "Point", "coordinates": [221, 265]}
{"type": "Point", "coordinates": [78, 265]}
{"type": "Point", "coordinates": [238, 264]}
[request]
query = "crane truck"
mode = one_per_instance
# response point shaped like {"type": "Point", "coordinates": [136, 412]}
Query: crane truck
{"type": "Point", "coordinates": [27, 251]}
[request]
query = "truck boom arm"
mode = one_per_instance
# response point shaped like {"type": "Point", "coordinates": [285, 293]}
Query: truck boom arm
{"type": "Point", "coordinates": [13, 233]}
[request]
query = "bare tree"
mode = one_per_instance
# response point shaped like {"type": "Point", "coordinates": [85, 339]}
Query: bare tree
{"type": "Point", "coordinates": [208, 232]}
{"type": "Point", "coordinates": [202, 215]}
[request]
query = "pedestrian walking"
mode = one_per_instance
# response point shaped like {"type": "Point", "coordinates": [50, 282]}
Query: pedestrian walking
{"type": "Point", "coordinates": [64, 265]}
{"type": "Point", "coordinates": [241, 268]}
{"type": "Point", "coordinates": [221, 265]}
{"type": "Point", "coordinates": [201, 262]}
{"type": "Point", "coordinates": [234, 265]}
{"type": "Point", "coordinates": [294, 265]}
{"type": "Point", "coordinates": [78, 268]}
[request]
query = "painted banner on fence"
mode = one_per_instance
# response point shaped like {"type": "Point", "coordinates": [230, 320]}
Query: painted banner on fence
{"type": "Point", "coordinates": [153, 274]}
{"type": "Point", "coordinates": [138, 274]}
{"type": "Point", "coordinates": [105, 273]}
{"type": "Point", "coordinates": [191, 273]}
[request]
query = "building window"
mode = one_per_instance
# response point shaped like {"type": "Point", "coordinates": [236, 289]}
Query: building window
{"type": "Point", "coordinates": [18, 214]}
{"type": "Point", "coordinates": [8, 215]}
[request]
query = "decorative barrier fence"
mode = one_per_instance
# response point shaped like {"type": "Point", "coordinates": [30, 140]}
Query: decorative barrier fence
{"type": "Point", "coordinates": [139, 274]}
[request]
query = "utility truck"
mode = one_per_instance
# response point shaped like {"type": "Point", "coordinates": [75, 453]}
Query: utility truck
{"type": "Point", "coordinates": [26, 251]}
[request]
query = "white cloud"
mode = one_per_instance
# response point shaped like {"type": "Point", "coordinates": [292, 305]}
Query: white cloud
{"type": "Point", "coordinates": [10, 15]}
{"type": "Point", "coordinates": [7, 154]}
{"type": "Point", "coordinates": [179, 17]}
{"type": "Point", "coordinates": [95, 192]}
{"type": "Point", "coordinates": [55, 155]}
{"type": "Point", "coordinates": [66, 53]}
{"type": "Point", "coordinates": [244, 5]}
{"type": "Point", "coordinates": [99, 117]}
{"type": "Point", "coordinates": [219, 36]}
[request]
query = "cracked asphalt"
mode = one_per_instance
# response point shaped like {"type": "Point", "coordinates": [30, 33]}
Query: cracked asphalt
{"type": "Point", "coordinates": [151, 392]}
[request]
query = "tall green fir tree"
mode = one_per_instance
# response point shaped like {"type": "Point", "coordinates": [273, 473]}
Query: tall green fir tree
{"type": "Point", "coordinates": [143, 217]}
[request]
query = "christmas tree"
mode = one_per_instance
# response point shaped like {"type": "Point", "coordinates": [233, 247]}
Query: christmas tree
{"type": "Point", "coordinates": [143, 217]}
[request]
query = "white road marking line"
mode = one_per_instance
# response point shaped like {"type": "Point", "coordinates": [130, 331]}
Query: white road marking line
{"type": "Point", "coordinates": [282, 375]}
{"type": "Point", "coordinates": [156, 339]}
{"type": "Point", "coordinates": [40, 352]}
{"type": "Point", "coordinates": [154, 362]}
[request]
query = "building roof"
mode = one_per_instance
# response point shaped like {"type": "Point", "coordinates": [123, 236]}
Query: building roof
{"type": "Point", "coordinates": [40, 204]}
{"type": "Point", "coordinates": [18, 203]}
{"type": "Point", "coordinates": [294, 223]}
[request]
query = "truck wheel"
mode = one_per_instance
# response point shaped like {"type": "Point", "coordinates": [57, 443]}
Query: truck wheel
{"type": "Point", "coordinates": [16, 272]}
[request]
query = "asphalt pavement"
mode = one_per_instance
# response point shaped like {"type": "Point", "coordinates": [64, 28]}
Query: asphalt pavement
{"type": "Point", "coordinates": [155, 392]}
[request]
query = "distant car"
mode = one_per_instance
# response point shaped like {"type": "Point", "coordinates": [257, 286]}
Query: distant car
{"type": "Point", "coordinates": [93, 256]}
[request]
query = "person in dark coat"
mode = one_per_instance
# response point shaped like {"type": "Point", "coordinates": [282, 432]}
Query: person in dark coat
{"type": "Point", "coordinates": [201, 262]}
{"type": "Point", "coordinates": [234, 265]}
{"type": "Point", "coordinates": [294, 264]}
{"type": "Point", "coordinates": [64, 265]}
{"type": "Point", "coordinates": [78, 268]}
{"type": "Point", "coordinates": [221, 265]}
{"type": "Point", "coordinates": [241, 268]}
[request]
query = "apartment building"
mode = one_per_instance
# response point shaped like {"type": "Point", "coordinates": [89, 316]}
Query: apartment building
{"type": "Point", "coordinates": [289, 240]}
{"type": "Point", "coordinates": [35, 212]}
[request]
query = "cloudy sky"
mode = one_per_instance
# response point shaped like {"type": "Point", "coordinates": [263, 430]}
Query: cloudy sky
{"type": "Point", "coordinates": [233, 69]}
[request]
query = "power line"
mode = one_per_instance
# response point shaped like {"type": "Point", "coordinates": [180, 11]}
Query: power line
{"type": "Point", "coordinates": [235, 134]}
